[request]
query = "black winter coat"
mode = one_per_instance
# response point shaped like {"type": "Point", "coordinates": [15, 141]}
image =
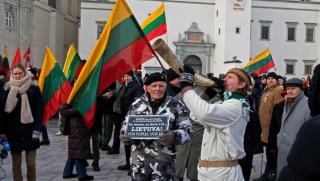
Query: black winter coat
{"type": "Point", "coordinates": [252, 141]}
{"type": "Point", "coordinates": [79, 135]}
{"type": "Point", "coordinates": [314, 92]}
{"type": "Point", "coordinates": [275, 125]}
{"type": "Point", "coordinates": [128, 93]}
{"type": "Point", "coordinates": [303, 159]}
{"type": "Point", "coordinates": [20, 135]}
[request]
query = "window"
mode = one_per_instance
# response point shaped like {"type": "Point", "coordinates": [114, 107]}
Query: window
{"type": "Point", "coordinates": [237, 30]}
{"type": "Point", "coordinates": [9, 21]}
{"type": "Point", "coordinates": [290, 66]}
{"type": "Point", "coordinates": [291, 27]}
{"type": "Point", "coordinates": [310, 31]}
{"type": "Point", "coordinates": [100, 26]}
{"type": "Point", "coordinates": [265, 30]}
{"type": "Point", "coordinates": [52, 3]}
{"type": "Point", "coordinates": [219, 31]}
{"type": "Point", "coordinates": [217, 13]}
{"type": "Point", "coordinates": [308, 66]}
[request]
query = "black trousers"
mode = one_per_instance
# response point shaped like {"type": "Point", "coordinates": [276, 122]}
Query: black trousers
{"type": "Point", "coordinates": [246, 165]}
{"type": "Point", "coordinates": [117, 120]}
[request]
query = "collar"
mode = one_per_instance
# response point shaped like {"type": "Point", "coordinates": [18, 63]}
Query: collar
{"type": "Point", "coordinates": [236, 95]}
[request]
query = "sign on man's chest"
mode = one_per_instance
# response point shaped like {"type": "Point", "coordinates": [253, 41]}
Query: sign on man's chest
{"type": "Point", "coordinates": [147, 126]}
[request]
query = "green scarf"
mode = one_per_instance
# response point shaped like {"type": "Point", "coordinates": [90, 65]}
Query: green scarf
{"type": "Point", "coordinates": [238, 96]}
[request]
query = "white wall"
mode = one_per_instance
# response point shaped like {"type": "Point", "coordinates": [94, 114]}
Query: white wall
{"type": "Point", "coordinates": [281, 49]}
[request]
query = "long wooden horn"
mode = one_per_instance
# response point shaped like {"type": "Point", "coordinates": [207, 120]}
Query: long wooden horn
{"type": "Point", "coordinates": [167, 55]}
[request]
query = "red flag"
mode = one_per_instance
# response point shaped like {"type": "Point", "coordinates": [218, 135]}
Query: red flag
{"type": "Point", "coordinates": [26, 56]}
{"type": "Point", "coordinates": [16, 58]}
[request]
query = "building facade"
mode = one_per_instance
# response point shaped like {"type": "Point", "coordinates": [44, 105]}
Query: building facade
{"type": "Point", "coordinates": [214, 35]}
{"type": "Point", "coordinates": [37, 24]}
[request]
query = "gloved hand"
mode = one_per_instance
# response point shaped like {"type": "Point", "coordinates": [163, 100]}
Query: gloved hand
{"type": "Point", "coordinates": [219, 82]}
{"type": "Point", "coordinates": [167, 137]}
{"type": "Point", "coordinates": [186, 76]}
{"type": "Point", "coordinates": [211, 92]}
{"type": "Point", "coordinates": [125, 138]}
{"type": "Point", "coordinates": [35, 135]}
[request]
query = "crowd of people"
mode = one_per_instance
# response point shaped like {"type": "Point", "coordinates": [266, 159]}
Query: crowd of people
{"type": "Point", "coordinates": [212, 135]}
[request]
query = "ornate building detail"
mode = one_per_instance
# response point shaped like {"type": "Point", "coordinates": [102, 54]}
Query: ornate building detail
{"type": "Point", "coordinates": [193, 49]}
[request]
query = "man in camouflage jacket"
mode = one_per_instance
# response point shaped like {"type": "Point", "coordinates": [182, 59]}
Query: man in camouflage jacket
{"type": "Point", "coordinates": [155, 159]}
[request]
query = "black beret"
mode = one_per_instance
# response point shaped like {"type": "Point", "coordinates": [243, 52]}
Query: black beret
{"type": "Point", "coordinates": [294, 82]}
{"type": "Point", "coordinates": [130, 73]}
{"type": "Point", "coordinates": [171, 75]}
{"type": "Point", "coordinates": [157, 76]}
{"type": "Point", "coordinates": [272, 74]}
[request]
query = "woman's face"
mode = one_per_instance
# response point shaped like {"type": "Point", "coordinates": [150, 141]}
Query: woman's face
{"type": "Point", "coordinates": [232, 82]}
{"type": "Point", "coordinates": [18, 73]}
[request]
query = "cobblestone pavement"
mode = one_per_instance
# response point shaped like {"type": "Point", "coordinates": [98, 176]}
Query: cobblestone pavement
{"type": "Point", "coordinates": [51, 160]}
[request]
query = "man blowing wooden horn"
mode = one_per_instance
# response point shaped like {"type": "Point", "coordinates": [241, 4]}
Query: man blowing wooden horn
{"type": "Point", "coordinates": [225, 123]}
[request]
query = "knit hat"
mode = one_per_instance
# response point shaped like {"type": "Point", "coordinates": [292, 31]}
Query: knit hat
{"type": "Point", "coordinates": [294, 82]}
{"type": "Point", "coordinates": [171, 75]}
{"type": "Point", "coordinates": [157, 76]}
{"type": "Point", "coordinates": [272, 74]}
{"type": "Point", "coordinates": [243, 74]}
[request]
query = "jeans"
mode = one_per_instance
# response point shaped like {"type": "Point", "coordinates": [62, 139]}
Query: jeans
{"type": "Point", "coordinates": [80, 167]}
{"type": "Point", "coordinates": [31, 165]}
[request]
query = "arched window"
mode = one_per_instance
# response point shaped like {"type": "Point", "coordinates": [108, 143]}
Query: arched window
{"type": "Point", "coordinates": [194, 62]}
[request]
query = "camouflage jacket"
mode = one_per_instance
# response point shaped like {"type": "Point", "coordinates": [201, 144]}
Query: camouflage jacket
{"type": "Point", "coordinates": [150, 160]}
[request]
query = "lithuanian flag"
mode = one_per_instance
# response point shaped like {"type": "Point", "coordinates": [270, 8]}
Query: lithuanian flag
{"type": "Point", "coordinates": [72, 63]}
{"type": "Point", "coordinates": [54, 86]}
{"type": "Point", "coordinates": [4, 67]}
{"type": "Point", "coordinates": [155, 25]}
{"type": "Point", "coordinates": [121, 47]}
{"type": "Point", "coordinates": [260, 63]}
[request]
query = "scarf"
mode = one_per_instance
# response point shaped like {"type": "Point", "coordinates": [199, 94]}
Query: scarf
{"type": "Point", "coordinates": [238, 96]}
{"type": "Point", "coordinates": [20, 87]}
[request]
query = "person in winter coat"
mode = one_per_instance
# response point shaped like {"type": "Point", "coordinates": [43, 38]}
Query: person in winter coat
{"type": "Point", "coordinates": [225, 123]}
{"type": "Point", "coordinates": [252, 143]}
{"type": "Point", "coordinates": [78, 144]}
{"type": "Point", "coordinates": [22, 108]}
{"type": "Point", "coordinates": [155, 159]}
{"type": "Point", "coordinates": [270, 97]}
{"type": "Point", "coordinates": [296, 112]}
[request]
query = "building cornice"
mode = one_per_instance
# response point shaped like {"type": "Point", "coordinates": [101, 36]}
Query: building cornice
{"type": "Point", "coordinates": [290, 1]}
{"type": "Point", "coordinates": [283, 8]}
{"type": "Point", "coordinates": [173, 1]}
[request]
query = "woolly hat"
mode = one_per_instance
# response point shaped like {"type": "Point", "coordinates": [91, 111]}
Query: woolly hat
{"type": "Point", "coordinates": [272, 74]}
{"type": "Point", "coordinates": [157, 76]}
{"type": "Point", "coordinates": [294, 82]}
{"type": "Point", "coordinates": [243, 74]}
{"type": "Point", "coordinates": [171, 75]}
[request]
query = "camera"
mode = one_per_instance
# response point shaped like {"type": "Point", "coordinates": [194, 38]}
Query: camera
{"type": "Point", "coordinates": [4, 148]}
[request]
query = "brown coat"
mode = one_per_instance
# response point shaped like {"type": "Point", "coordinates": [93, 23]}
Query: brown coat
{"type": "Point", "coordinates": [269, 98]}
{"type": "Point", "coordinates": [79, 136]}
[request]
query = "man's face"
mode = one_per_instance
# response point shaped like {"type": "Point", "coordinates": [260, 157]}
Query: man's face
{"type": "Point", "coordinates": [293, 92]}
{"type": "Point", "coordinates": [18, 73]}
{"type": "Point", "coordinates": [127, 78]}
{"type": "Point", "coordinates": [156, 90]}
{"type": "Point", "coordinates": [271, 82]}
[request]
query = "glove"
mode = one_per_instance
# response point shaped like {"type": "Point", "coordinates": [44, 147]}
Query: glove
{"type": "Point", "coordinates": [167, 138]}
{"type": "Point", "coordinates": [35, 135]}
{"type": "Point", "coordinates": [211, 92]}
{"type": "Point", "coordinates": [219, 82]}
{"type": "Point", "coordinates": [186, 76]}
{"type": "Point", "coordinates": [125, 139]}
